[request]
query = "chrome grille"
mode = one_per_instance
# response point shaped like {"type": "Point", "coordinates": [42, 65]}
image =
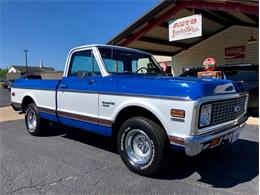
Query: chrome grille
{"type": "Point", "coordinates": [227, 110]}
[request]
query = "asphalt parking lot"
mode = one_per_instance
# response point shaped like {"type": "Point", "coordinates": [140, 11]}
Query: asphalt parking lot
{"type": "Point", "coordinates": [5, 98]}
{"type": "Point", "coordinates": [70, 161]}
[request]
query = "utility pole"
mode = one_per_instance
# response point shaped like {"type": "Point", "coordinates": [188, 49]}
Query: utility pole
{"type": "Point", "coordinates": [26, 64]}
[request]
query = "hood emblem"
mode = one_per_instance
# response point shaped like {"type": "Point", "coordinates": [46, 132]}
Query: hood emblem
{"type": "Point", "coordinates": [237, 108]}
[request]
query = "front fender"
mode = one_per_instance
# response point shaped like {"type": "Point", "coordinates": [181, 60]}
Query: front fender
{"type": "Point", "coordinates": [142, 104]}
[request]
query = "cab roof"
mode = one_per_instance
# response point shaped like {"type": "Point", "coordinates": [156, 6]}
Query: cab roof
{"type": "Point", "coordinates": [109, 46]}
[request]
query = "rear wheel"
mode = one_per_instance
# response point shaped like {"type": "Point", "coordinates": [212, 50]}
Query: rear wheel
{"type": "Point", "coordinates": [34, 124]}
{"type": "Point", "coordinates": [143, 146]}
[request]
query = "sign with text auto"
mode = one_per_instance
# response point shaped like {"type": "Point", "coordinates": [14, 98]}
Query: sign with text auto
{"type": "Point", "coordinates": [184, 28]}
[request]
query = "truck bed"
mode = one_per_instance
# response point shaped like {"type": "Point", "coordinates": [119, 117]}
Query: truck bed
{"type": "Point", "coordinates": [42, 92]}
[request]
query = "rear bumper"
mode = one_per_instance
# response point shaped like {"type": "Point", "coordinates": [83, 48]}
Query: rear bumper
{"type": "Point", "coordinates": [193, 145]}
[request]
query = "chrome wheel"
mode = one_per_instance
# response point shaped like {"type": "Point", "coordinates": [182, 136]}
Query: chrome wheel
{"type": "Point", "coordinates": [138, 147]}
{"type": "Point", "coordinates": [31, 120]}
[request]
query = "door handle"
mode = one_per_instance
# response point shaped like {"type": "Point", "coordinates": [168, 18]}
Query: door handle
{"type": "Point", "coordinates": [63, 86]}
{"type": "Point", "coordinates": [90, 82]}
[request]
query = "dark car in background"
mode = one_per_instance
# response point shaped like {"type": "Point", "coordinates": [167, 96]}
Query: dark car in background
{"type": "Point", "coordinates": [8, 83]}
{"type": "Point", "coordinates": [5, 84]}
{"type": "Point", "coordinates": [246, 76]}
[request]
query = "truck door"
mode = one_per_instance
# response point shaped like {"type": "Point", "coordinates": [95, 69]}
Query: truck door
{"type": "Point", "coordinates": [78, 93]}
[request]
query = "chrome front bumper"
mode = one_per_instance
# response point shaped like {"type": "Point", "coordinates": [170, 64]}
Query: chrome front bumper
{"type": "Point", "coordinates": [195, 144]}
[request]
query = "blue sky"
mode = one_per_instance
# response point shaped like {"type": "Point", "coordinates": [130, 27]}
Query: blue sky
{"type": "Point", "coordinates": [49, 29]}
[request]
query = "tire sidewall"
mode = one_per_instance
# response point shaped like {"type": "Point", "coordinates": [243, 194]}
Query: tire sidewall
{"type": "Point", "coordinates": [153, 163]}
{"type": "Point", "coordinates": [33, 107]}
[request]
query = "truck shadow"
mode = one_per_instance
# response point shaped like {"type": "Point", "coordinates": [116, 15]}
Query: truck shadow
{"type": "Point", "coordinates": [221, 167]}
{"type": "Point", "coordinates": [102, 142]}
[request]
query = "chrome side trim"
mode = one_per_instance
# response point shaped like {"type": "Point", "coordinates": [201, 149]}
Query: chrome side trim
{"type": "Point", "coordinates": [47, 110]}
{"type": "Point", "coordinates": [84, 118]}
{"type": "Point", "coordinates": [197, 131]}
{"type": "Point", "coordinates": [129, 95]}
{"type": "Point", "coordinates": [148, 96]}
{"type": "Point", "coordinates": [77, 91]}
{"type": "Point", "coordinates": [114, 94]}
{"type": "Point", "coordinates": [46, 89]}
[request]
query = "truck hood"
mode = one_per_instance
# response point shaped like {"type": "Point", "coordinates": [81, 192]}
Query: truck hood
{"type": "Point", "coordinates": [188, 88]}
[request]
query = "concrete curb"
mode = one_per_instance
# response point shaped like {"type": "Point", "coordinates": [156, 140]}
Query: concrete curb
{"type": "Point", "coordinates": [8, 114]}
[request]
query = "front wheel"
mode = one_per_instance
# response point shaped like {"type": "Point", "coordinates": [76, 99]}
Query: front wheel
{"type": "Point", "coordinates": [34, 124]}
{"type": "Point", "coordinates": [143, 146]}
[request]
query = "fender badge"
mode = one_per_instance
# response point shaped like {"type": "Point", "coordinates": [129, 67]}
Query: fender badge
{"type": "Point", "coordinates": [107, 104]}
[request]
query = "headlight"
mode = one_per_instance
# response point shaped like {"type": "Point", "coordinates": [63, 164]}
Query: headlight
{"type": "Point", "coordinates": [205, 114]}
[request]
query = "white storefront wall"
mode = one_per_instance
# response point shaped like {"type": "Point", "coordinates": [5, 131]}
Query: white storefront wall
{"type": "Point", "coordinates": [215, 47]}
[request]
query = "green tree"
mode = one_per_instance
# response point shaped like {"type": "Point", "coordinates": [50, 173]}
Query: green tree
{"type": "Point", "coordinates": [3, 72]}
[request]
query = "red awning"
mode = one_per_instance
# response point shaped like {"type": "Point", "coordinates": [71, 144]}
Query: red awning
{"type": "Point", "coordinates": [150, 32]}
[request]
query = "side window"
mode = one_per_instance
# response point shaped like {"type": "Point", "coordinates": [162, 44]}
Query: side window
{"type": "Point", "coordinates": [134, 65]}
{"type": "Point", "coordinates": [95, 64]}
{"type": "Point", "coordinates": [83, 63]}
{"type": "Point", "coordinates": [114, 65]}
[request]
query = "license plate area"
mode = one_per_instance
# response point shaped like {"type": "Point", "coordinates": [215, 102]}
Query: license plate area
{"type": "Point", "coordinates": [232, 137]}
{"type": "Point", "coordinates": [235, 135]}
{"type": "Point", "coordinates": [229, 138]}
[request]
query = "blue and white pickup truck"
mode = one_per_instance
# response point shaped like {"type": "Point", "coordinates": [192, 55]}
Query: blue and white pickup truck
{"type": "Point", "coordinates": [122, 92]}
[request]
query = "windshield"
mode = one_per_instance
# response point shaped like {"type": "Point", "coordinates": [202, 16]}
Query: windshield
{"type": "Point", "coordinates": [120, 61]}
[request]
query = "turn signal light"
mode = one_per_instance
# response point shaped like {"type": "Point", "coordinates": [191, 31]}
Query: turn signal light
{"type": "Point", "coordinates": [215, 142]}
{"type": "Point", "coordinates": [177, 113]}
{"type": "Point", "coordinates": [176, 140]}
